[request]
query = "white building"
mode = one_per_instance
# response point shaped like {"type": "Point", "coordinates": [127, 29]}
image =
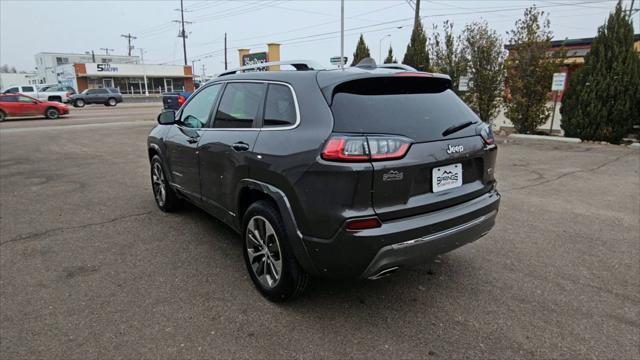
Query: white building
{"type": "Point", "coordinates": [13, 79]}
{"type": "Point", "coordinates": [48, 62]}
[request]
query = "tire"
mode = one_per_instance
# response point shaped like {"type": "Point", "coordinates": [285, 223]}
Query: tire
{"type": "Point", "coordinates": [166, 198]}
{"type": "Point", "coordinates": [265, 225]}
{"type": "Point", "coordinates": [51, 113]}
{"type": "Point", "coordinates": [2, 115]}
{"type": "Point", "coordinates": [79, 103]}
{"type": "Point", "coordinates": [111, 102]}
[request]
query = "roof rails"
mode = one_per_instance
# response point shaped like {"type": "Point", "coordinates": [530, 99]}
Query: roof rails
{"type": "Point", "coordinates": [299, 65]}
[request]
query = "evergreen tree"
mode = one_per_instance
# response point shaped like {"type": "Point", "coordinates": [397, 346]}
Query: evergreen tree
{"type": "Point", "coordinates": [362, 51]}
{"type": "Point", "coordinates": [485, 55]}
{"type": "Point", "coordinates": [602, 101]}
{"type": "Point", "coordinates": [390, 59]}
{"type": "Point", "coordinates": [448, 53]}
{"type": "Point", "coordinates": [416, 54]}
{"type": "Point", "coordinates": [529, 70]}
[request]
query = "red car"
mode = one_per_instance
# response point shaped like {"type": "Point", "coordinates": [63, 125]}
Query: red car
{"type": "Point", "coordinates": [22, 105]}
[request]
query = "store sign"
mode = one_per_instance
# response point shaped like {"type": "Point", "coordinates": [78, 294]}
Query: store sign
{"type": "Point", "coordinates": [109, 70]}
{"type": "Point", "coordinates": [557, 84]}
{"type": "Point", "coordinates": [106, 68]}
{"type": "Point", "coordinates": [336, 60]}
{"type": "Point", "coordinates": [255, 59]}
{"type": "Point", "coordinates": [463, 84]}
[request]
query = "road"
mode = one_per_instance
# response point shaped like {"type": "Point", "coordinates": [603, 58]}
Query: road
{"type": "Point", "coordinates": [91, 269]}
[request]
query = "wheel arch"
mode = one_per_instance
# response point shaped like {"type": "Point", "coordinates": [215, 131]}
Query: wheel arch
{"type": "Point", "coordinates": [250, 191]}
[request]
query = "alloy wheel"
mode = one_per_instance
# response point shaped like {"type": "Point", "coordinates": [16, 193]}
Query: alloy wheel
{"type": "Point", "coordinates": [52, 114]}
{"type": "Point", "coordinates": [159, 189]}
{"type": "Point", "coordinates": [263, 249]}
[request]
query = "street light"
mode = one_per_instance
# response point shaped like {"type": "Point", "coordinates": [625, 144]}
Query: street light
{"type": "Point", "coordinates": [380, 48]}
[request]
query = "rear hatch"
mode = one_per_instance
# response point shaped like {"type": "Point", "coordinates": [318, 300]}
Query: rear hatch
{"type": "Point", "coordinates": [441, 167]}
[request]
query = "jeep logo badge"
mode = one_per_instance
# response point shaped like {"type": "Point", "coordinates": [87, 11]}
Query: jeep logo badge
{"type": "Point", "coordinates": [455, 149]}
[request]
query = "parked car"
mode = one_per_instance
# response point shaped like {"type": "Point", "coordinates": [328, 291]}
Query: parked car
{"type": "Point", "coordinates": [174, 100]}
{"type": "Point", "coordinates": [23, 105]}
{"type": "Point", "coordinates": [352, 173]}
{"type": "Point", "coordinates": [34, 91]}
{"type": "Point", "coordinates": [106, 96]}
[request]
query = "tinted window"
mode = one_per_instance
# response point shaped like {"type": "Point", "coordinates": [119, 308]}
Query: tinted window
{"type": "Point", "coordinates": [196, 113]}
{"type": "Point", "coordinates": [12, 90]}
{"type": "Point", "coordinates": [101, 91]}
{"type": "Point", "coordinates": [8, 98]}
{"type": "Point", "coordinates": [280, 108]}
{"type": "Point", "coordinates": [239, 105]}
{"type": "Point", "coordinates": [27, 89]}
{"type": "Point", "coordinates": [418, 108]}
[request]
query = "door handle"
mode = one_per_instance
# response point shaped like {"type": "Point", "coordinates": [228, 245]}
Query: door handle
{"type": "Point", "coordinates": [192, 140]}
{"type": "Point", "coordinates": [240, 146]}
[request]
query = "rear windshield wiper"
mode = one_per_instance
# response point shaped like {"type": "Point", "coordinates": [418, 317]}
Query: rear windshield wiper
{"type": "Point", "coordinates": [455, 128]}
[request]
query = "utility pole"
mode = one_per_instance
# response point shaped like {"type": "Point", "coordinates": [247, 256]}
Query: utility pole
{"type": "Point", "coordinates": [93, 56]}
{"type": "Point", "coordinates": [203, 75]}
{"type": "Point", "coordinates": [144, 72]}
{"type": "Point", "coordinates": [106, 50]}
{"type": "Point", "coordinates": [417, 17]}
{"type": "Point", "coordinates": [129, 37]}
{"type": "Point", "coordinates": [183, 33]}
{"type": "Point", "coordinates": [342, 34]}
{"type": "Point", "coordinates": [225, 51]}
{"type": "Point", "coordinates": [193, 67]}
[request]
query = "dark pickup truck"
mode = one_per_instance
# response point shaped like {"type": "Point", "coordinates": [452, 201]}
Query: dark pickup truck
{"type": "Point", "coordinates": [174, 100]}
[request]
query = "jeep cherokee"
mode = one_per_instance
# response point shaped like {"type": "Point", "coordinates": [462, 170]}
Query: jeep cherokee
{"type": "Point", "coordinates": [338, 173]}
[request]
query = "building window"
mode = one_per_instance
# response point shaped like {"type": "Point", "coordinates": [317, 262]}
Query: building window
{"type": "Point", "coordinates": [106, 60]}
{"type": "Point", "coordinates": [62, 60]}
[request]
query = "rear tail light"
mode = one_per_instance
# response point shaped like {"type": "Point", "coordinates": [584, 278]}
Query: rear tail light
{"type": "Point", "coordinates": [365, 148]}
{"type": "Point", "coordinates": [486, 133]}
{"type": "Point", "coordinates": [363, 224]}
{"type": "Point", "coordinates": [181, 99]}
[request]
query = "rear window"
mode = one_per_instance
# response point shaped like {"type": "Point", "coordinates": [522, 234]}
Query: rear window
{"type": "Point", "coordinates": [280, 108]}
{"type": "Point", "coordinates": [27, 88]}
{"type": "Point", "coordinates": [418, 108]}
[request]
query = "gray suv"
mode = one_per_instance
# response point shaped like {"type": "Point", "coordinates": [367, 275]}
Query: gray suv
{"type": "Point", "coordinates": [337, 173]}
{"type": "Point", "coordinates": [106, 96]}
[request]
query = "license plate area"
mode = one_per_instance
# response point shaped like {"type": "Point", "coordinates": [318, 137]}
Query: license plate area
{"type": "Point", "coordinates": [446, 177]}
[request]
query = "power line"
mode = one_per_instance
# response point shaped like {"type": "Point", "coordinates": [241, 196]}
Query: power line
{"type": "Point", "coordinates": [404, 20]}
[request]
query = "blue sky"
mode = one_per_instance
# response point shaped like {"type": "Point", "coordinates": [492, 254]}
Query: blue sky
{"type": "Point", "coordinates": [307, 29]}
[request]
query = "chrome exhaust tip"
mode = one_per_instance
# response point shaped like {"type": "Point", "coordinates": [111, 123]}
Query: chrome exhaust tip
{"type": "Point", "coordinates": [384, 273]}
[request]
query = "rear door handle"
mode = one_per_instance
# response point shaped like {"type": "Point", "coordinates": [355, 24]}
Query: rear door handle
{"type": "Point", "coordinates": [240, 146]}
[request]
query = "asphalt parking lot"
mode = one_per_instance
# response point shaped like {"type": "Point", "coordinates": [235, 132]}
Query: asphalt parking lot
{"type": "Point", "coordinates": [91, 269]}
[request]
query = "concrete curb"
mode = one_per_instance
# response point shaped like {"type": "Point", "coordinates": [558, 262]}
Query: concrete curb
{"type": "Point", "coordinates": [545, 137]}
{"type": "Point", "coordinates": [635, 146]}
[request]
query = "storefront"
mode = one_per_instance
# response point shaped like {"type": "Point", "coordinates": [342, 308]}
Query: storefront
{"type": "Point", "coordinates": [128, 78]}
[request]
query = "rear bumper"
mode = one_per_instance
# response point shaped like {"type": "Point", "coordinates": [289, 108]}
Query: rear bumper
{"type": "Point", "coordinates": [419, 250]}
{"type": "Point", "coordinates": [403, 242]}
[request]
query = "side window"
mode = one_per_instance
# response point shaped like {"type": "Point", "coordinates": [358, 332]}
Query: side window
{"type": "Point", "coordinates": [196, 113]}
{"type": "Point", "coordinates": [239, 105]}
{"type": "Point", "coordinates": [8, 99]}
{"type": "Point", "coordinates": [91, 92]}
{"type": "Point", "coordinates": [13, 90]}
{"type": "Point", "coordinates": [24, 99]}
{"type": "Point", "coordinates": [280, 108]}
{"type": "Point", "coordinates": [27, 89]}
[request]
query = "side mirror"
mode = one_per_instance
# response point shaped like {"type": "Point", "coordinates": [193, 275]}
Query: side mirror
{"type": "Point", "coordinates": [167, 117]}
